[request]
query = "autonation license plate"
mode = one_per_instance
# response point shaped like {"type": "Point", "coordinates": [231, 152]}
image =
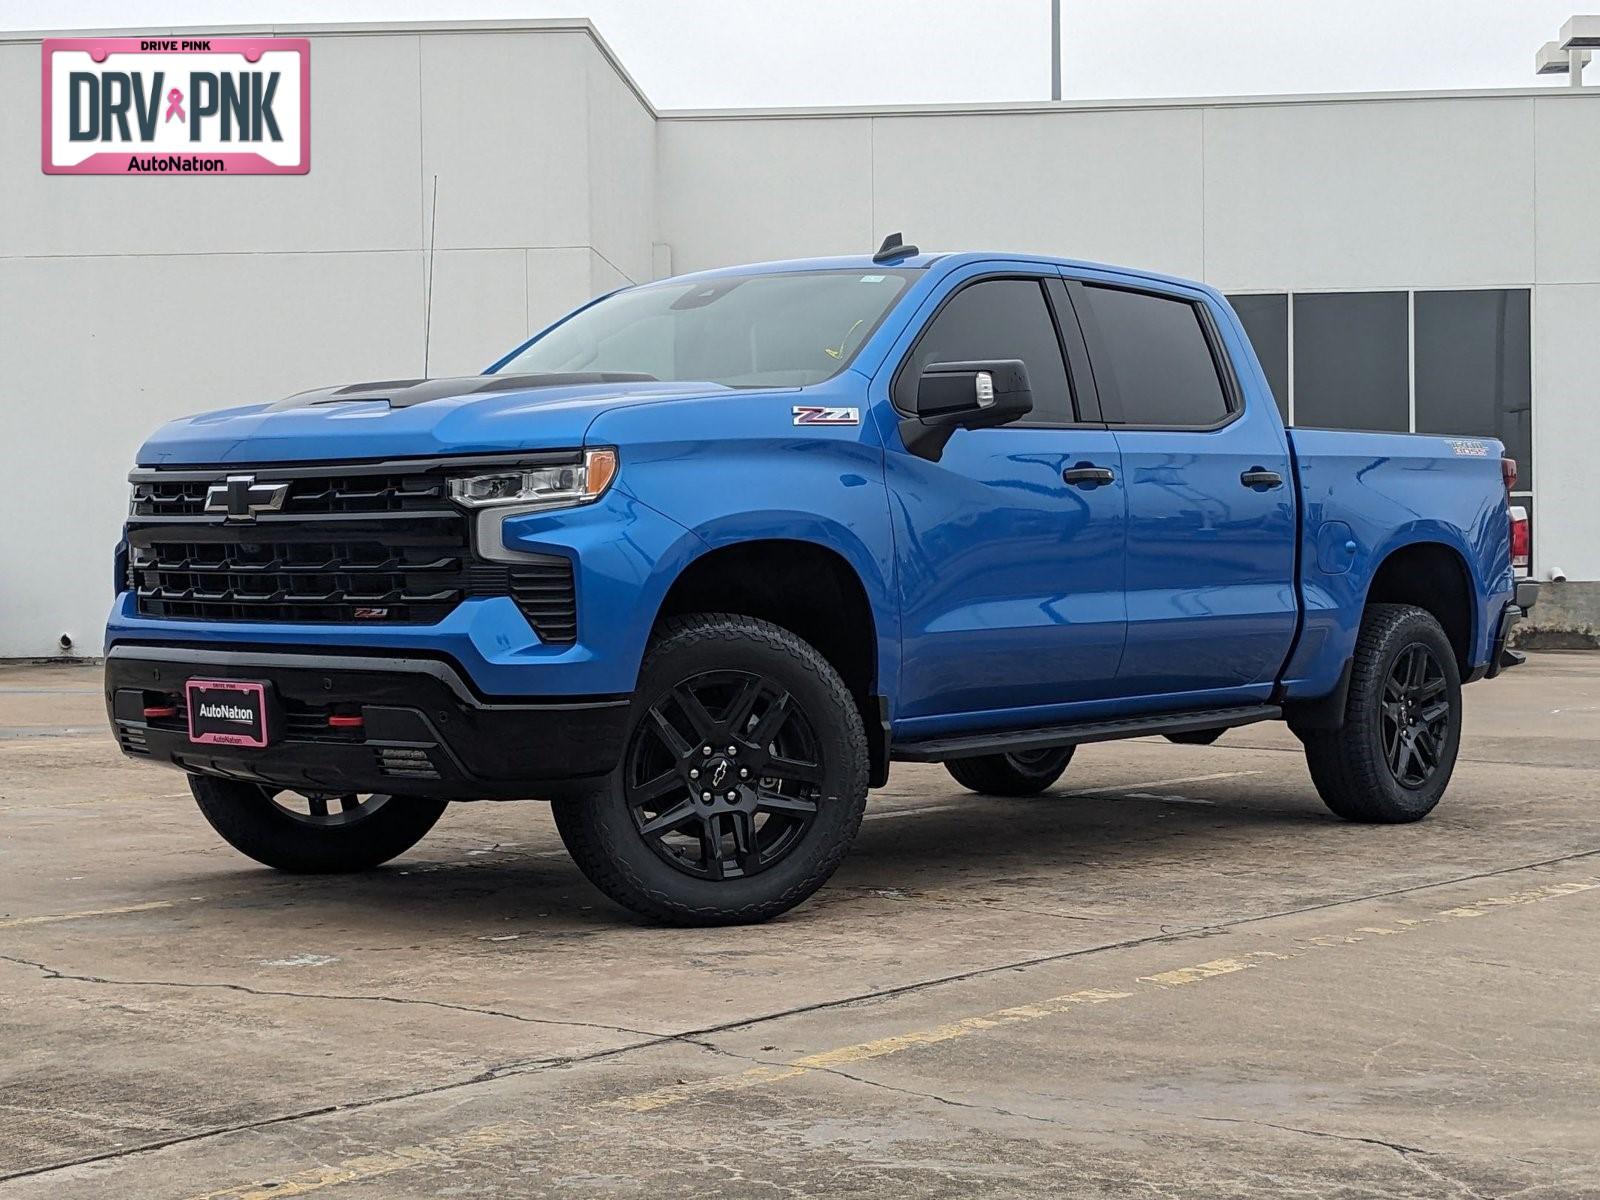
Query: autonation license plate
{"type": "Point", "coordinates": [227, 712]}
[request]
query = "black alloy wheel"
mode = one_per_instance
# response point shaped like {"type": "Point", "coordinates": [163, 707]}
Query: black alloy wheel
{"type": "Point", "coordinates": [1391, 757]}
{"type": "Point", "coordinates": [742, 780]}
{"type": "Point", "coordinates": [326, 810]}
{"type": "Point", "coordinates": [1415, 717]}
{"type": "Point", "coordinates": [313, 832]}
{"type": "Point", "coordinates": [1013, 773]}
{"type": "Point", "coordinates": [723, 775]}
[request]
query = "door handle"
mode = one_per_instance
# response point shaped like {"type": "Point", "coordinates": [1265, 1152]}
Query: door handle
{"type": "Point", "coordinates": [1088, 475]}
{"type": "Point", "coordinates": [1258, 477]}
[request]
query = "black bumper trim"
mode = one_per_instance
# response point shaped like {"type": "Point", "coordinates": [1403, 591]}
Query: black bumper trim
{"type": "Point", "coordinates": [1501, 656]}
{"type": "Point", "coordinates": [426, 732]}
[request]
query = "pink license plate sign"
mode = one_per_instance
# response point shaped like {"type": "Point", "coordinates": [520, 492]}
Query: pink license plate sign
{"type": "Point", "coordinates": [177, 106]}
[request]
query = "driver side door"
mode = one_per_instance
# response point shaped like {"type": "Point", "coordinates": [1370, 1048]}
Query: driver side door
{"type": "Point", "coordinates": [1009, 558]}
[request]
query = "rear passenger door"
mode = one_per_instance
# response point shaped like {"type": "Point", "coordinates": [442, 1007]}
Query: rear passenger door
{"type": "Point", "coordinates": [1211, 518]}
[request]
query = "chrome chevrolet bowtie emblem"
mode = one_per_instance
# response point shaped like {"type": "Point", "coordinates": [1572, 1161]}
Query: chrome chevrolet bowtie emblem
{"type": "Point", "coordinates": [721, 773]}
{"type": "Point", "coordinates": [241, 497]}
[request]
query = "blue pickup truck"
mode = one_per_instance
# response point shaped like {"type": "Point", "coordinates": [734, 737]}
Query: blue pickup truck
{"type": "Point", "coordinates": [700, 560]}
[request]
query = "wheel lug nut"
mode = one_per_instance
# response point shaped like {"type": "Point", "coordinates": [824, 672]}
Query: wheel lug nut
{"type": "Point", "coordinates": [744, 772]}
{"type": "Point", "coordinates": [706, 750]}
{"type": "Point", "coordinates": [706, 797]}
{"type": "Point", "coordinates": [733, 750]}
{"type": "Point", "coordinates": [694, 772]}
{"type": "Point", "coordinates": [733, 795]}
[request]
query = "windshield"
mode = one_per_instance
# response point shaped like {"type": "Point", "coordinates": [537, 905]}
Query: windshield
{"type": "Point", "coordinates": [780, 330]}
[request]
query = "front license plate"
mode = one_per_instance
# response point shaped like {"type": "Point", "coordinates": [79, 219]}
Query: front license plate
{"type": "Point", "coordinates": [226, 712]}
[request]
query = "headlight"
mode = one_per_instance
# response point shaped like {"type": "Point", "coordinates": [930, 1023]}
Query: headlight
{"type": "Point", "coordinates": [539, 487]}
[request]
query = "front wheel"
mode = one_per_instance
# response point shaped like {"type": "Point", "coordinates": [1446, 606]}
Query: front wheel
{"type": "Point", "coordinates": [742, 783]}
{"type": "Point", "coordinates": [1392, 758]}
{"type": "Point", "coordinates": [1024, 773]}
{"type": "Point", "coordinates": [313, 833]}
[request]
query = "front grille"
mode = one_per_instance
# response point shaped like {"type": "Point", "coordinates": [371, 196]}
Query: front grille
{"type": "Point", "coordinates": [348, 546]}
{"type": "Point", "coordinates": [382, 492]}
{"type": "Point", "coordinates": [414, 571]}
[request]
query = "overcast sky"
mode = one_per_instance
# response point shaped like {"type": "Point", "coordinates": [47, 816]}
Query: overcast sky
{"type": "Point", "coordinates": [758, 53]}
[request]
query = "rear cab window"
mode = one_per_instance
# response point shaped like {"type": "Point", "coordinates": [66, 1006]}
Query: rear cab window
{"type": "Point", "coordinates": [1154, 356]}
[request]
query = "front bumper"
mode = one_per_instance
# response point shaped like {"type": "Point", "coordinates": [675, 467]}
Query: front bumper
{"type": "Point", "coordinates": [1501, 655]}
{"type": "Point", "coordinates": [425, 731]}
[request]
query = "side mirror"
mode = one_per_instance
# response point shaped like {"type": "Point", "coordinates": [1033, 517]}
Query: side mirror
{"type": "Point", "coordinates": [964, 395]}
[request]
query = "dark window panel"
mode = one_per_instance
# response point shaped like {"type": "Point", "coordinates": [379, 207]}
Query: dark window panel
{"type": "Point", "coordinates": [998, 319]}
{"type": "Point", "coordinates": [1152, 360]}
{"type": "Point", "coordinates": [1351, 361]}
{"type": "Point", "coordinates": [1473, 368]}
{"type": "Point", "coordinates": [1266, 320]}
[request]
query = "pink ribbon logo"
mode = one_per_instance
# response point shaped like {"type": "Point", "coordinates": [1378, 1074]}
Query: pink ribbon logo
{"type": "Point", "coordinates": [175, 106]}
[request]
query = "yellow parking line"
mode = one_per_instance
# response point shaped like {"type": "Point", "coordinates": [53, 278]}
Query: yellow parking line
{"type": "Point", "coordinates": [861, 1051]}
{"type": "Point", "coordinates": [84, 914]}
{"type": "Point", "coordinates": [440, 1151]}
{"type": "Point", "coordinates": [1205, 970]}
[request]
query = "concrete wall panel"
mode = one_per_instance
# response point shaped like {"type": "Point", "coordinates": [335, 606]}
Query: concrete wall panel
{"type": "Point", "coordinates": [503, 128]}
{"type": "Point", "coordinates": [1566, 438]}
{"type": "Point", "coordinates": [744, 191]}
{"type": "Point", "coordinates": [1068, 184]}
{"type": "Point", "coordinates": [1414, 193]}
{"type": "Point", "coordinates": [480, 308]}
{"type": "Point", "coordinates": [1567, 179]}
{"type": "Point", "coordinates": [622, 171]}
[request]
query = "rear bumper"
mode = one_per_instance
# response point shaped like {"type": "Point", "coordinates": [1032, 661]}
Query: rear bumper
{"type": "Point", "coordinates": [425, 731]}
{"type": "Point", "coordinates": [1501, 655]}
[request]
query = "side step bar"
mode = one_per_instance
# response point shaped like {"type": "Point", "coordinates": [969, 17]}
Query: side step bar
{"type": "Point", "coordinates": [1003, 741]}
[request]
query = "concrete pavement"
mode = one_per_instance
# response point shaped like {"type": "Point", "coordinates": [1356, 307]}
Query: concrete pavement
{"type": "Point", "coordinates": [1175, 975]}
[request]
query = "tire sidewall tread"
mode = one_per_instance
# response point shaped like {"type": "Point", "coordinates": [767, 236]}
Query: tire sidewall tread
{"type": "Point", "coordinates": [1347, 764]}
{"type": "Point", "coordinates": [599, 831]}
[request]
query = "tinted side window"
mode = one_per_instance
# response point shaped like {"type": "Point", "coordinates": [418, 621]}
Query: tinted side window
{"type": "Point", "coordinates": [1152, 360]}
{"type": "Point", "coordinates": [997, 318]}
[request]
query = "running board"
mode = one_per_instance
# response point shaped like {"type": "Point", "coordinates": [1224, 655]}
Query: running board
{"type": "Point", "coordinates": [1011, 741]}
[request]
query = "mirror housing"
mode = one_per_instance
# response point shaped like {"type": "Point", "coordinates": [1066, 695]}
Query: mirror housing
{"type": "Point", "coordinates": [964, 395]}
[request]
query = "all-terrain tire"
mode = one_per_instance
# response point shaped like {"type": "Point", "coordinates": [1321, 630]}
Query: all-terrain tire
{"type": "Point", "coordinates": [1354, 766]}
{"type": "Point", "coordinates": [605, 833]}
{"type": "Point", "coordinates": [249, 821]}
{"type": "Point", "coordinates": [1025, 774]}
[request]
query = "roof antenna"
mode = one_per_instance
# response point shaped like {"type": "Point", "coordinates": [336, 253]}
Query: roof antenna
{"type": "Point", "coordinates": [893, 248]}
{"type": "Point", "coordinates": [427, 301]}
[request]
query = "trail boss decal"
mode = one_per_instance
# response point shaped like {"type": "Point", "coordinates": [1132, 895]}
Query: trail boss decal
{"type": "Point", "coordinates": [1466, 449]}
{"type": "Point", "coordinates": [812, 414]}
{"type": "Point", "coordinates": [177, 106]}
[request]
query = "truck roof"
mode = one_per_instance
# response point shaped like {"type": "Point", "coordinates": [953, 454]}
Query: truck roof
{"type": "Point", "coordinates": [865, 262]}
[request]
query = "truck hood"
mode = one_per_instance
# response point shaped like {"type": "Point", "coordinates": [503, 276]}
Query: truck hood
{"type": "Point", "coordinates": [409, 418]}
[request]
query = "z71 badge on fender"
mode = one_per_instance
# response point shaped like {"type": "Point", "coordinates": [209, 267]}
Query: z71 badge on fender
{"type": "Point", "coordinates": [813, 414]}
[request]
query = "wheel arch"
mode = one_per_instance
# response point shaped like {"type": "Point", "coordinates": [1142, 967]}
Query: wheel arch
{"type": "Point", "coordinates": [1432, 575]}
{"type": "Point", "coordinates": [809, 588]}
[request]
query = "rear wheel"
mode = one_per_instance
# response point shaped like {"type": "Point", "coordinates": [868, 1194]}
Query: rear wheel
{"type": "Point", "coordinates": [313, 832]}
{"type": "Point", "coordinates": [1394, 755]}
{"type": "Point", "coordinates": [1023, 773]}
{"type": "Point", "coordinates": [742, 784]}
